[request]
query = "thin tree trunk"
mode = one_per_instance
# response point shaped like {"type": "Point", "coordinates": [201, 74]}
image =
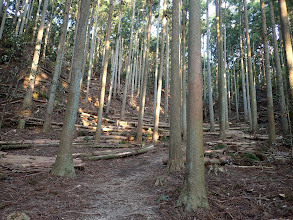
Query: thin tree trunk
{"type": "Point", "coordinates": [104, 76]}
{"type": "Point", "coordinates": [48, 31]}
{"type": "Point", "coordinates": [175, 161]}
{"type": "Point", "coordinates": [118, 42]}
{"type": "Point", "coordinates": [193, 194]}
{"type": "Point", "coordinates": [57, 69]}
{"type": "Point", "coordinates": [210, 93]}
{"type": "Point", "coordinates": [120, 66]}
{"type": "Point", "coordinates": [122, 113]}
{"type": "Point", "coordinates": [27, 102]}
{"type": "Point", "coordinates": [222, 103]}
{"type": "Point", "coordinates": [166, 104]}
{"type": "Point", "coordinates": [145, 76]}
{"type": "Point", "coordinates": [37, 18]}
{"type": "Point", "coordinates": [93, 46]}
{"type": "Point", "coordinates": [134, 69]}
{"type": "Point", "coordinates": [157, 63]}
{"type": "Point", "coordinates": [159, 92]}
{"type": "Point", "coordinates": [270, 105]}
{"type": "Point", "coordinates": [63, 165]}
{"type": "Point", "coordinates": [250, 73]}
{"type": "Point", "coordinates": [245, 108]}
{"type": "Point", "coordinates": [284, 119]}
{"type": "Point", "coordinates": [236, 90]}
{"type": "Point", "coordinates": [19, 19]}
{"type": "Point", "coordinates": [184, 122]}
{"type": "Point", "coordinates": [226, 79]}
{"type": "Point", "coordinates": [23, 21]}
{"type": "Point", "coordinates": [3, 19]}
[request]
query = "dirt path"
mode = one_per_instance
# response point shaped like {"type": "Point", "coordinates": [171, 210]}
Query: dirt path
{"type": "Point", "coordinates": [125, 191]}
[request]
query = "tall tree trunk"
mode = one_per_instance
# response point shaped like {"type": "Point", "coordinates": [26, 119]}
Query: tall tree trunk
{"type": "Point", "coordinates": [193, 194]}
{"type": "Point", "coordinates": [159, 92]}
{"type": "Point", "coordinates": [93, 46]}
{"type": "Point", "coordinates": [57, 69]}
{"type": "Point", "coordinates": [104, 76]}
{"type": "Point", "coordinates": [270, 105]}
{"type": "Point", "coordinates": [289, 58]}
{"type": "Point", "coordinates": [184, 123]}
{"type": "Point", "coordinates": [134, 69]}
{"type": "Point", "coordinates": [77, 14]}
{"type": "Point", "coordinates": [222, 103]}
{"type": "Point", "coordinates": [63, 165]}
{"type": "Point", "coordinates": [118, 48]}
{"type": "Point", "coordinates": [175, 161]}
{"type": "Point", "coordinates": [166, 99]}
{"type": "Point", "coordinates": [245, 108]}
{"type": "Point", "coordinates": [250, 73]}
{"type": "Point", "coordinates": [20, 18]}
{"type": "Point", "coordinates": [145, 76]}
{"type": "Point", "coordinates": [36, 19]}
{"type": "Point", "coordinates": [225, 73]}
{"type": "Point", "coordinates": [27, 102]}
{"type": "Point", "coordinates": [23, 21]}
{"type": "Point", "coordinates": [284, 119]}
{"type": "Point", "coordinates": [122, 113]}
{"type": "Point", "coordinates": [235, 78]}
{"type": "Point", "coordinates": [48, 30]}
{"type": "Point", "coordinates": [210, 93]}
{"type": "Point", "coordinates": [3, 19]}
{"type": "Point", "coordinates": [120, 66]}
{"type": "Point", "coordinates": [157, 62]}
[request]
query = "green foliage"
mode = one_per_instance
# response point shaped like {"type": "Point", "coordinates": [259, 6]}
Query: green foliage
{"type": "Point", "coordinates": [251, 156]}
{"type": "Point", "coordinates": [219, 147]}
{"type": "Point", "coordinates": [163, 197]}
{"type": "Point", "coordinates": [164, 138]}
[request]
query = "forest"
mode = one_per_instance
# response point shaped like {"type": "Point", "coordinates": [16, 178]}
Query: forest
{"type": "Point", "coordinates": [155, 109]}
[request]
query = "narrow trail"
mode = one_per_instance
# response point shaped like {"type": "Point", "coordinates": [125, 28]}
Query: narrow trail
{"type": "Point", "coordinates": [126, 189]}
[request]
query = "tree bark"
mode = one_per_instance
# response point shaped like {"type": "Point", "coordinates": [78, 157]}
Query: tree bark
{"type": "Point", "coordinates": [104, 76]}
{"type": "Point", "coordinates": [93, 46]}
{"type": "Point", "coordinates": [166, 104]}
{"type": "Point", "coordinates": [250, 73]}
{"type": "Point", "coordinates": [221, 87]}
{"type": "Point", "coordinates": [3, 18]}
{"type": "Point", "coordinates": [270, 105]}
{"type": "Point", "coordinates": [193, 194]}
{"type": "Point", "coordinates": [245, 108]}
{"type": "Point", "coordinates": [122, 114]}
{"type": "Point", "coordinates": [284, 119]}
{"type": "Point", "coordinates": [156, 63]}
{"type": "Point", "coordinates": [145, 76]}
{"type": "Point", "coordinates": [175, 161]}
{"type": "Point", "coordinates": [184, 122]}
{"type": "Point", "coordinates": [210, 93]}
{"type": "Point", "coordinates": [63, 165]}
{"type": "Point", "coordinates": [57, 69]}
{"type": "Point", "coordinates": [27, 102]}
{"type": "Point", "coordinates": [159, 92]}
{"type": "Point", "coordinates": [285, 27]}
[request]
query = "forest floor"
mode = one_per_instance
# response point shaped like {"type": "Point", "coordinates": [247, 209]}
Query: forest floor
{"type": "Point", "coordinates": [245, 178]}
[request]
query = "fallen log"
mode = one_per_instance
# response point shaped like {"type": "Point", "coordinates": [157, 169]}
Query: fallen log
{"type": "Point", "coordinates": [34, 161]}
{"type": "Point", "coordinates": [122, 154]}
{"type": "Point", "coordinates": [207, 161]}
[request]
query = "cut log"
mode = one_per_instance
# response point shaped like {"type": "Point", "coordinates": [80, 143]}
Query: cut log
{"type": "Point", "coordinates": [122, 154]}
{"type": "Point", "coordinates": [34, 161]}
